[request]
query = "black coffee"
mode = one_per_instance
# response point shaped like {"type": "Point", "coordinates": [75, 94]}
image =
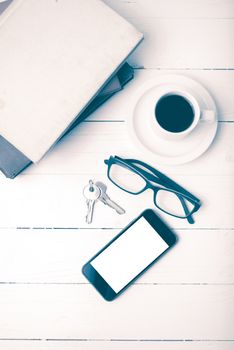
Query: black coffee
{"type": "Point", "coordinates": [174, 113]}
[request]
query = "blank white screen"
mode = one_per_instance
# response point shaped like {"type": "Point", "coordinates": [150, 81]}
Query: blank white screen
{"type": "Point", "coordinates": [128, 255]}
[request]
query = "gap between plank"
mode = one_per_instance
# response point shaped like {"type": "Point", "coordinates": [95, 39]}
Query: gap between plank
{"type": "Point", "coordinates": [115, 340]}
{"type": "Point", "coordinates": [181, 69]}
{"type": "Point", "coordinates": [136, 283]}
{"type": "Point", "coordinates": [115, 228]}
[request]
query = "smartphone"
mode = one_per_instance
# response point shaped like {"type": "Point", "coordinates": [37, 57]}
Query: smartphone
{"type": "Point", "coordinates": [129, 254]}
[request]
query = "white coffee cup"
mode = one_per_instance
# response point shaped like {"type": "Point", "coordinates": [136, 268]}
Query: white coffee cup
{"type": "Point", "coordinates": [199, 114]}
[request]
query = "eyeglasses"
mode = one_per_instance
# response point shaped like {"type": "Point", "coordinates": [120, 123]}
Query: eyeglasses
{"type": "Point", "coordinates": [134, 176]}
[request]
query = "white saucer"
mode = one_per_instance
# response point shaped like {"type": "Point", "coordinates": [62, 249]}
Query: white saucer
{"type": "Point", "coordinates": [168, 151]}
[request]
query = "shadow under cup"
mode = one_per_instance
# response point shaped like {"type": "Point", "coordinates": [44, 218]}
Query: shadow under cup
{"type": "Point", "coordinates": [174, 113]}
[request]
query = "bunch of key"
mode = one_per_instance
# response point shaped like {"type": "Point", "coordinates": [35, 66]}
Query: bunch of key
{"type": "Point", "coordinates": [94, 192]}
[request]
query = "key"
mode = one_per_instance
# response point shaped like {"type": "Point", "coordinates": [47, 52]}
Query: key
{"type": "Point", "coordinates": [104, 198]}
{"type": "Point", "coordinates": [91, 193]}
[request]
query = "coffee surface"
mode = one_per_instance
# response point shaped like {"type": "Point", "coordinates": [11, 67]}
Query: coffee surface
{"type": "Point", "coordinates": [174, 113]}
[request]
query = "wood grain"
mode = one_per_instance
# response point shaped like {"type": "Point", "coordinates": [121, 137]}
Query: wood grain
{"type": "Point", "coordinates": [42, 201]}
{"type": "Point", "coordinates": [84, 344]}
{"type": "Point", "coordinates": [174, 41]}
{"type": "Point", "coordinates": [173, 9]}
{"type": "Point", "coordinates": [83, 152]}
{"type": "Point", "coordinates": [220, 84]}
{"type": "Point", "coordinates": [57, 256]}
{"type": "Point", "coordinates": [77, 311]}
{"type": "Point", "coordinates": [186, 301]}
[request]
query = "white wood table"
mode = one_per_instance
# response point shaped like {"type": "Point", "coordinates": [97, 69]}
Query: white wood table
{"type": "Point", "coordinates": [185, 301]}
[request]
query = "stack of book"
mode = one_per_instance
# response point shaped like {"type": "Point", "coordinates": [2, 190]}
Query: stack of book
{"type": "Point", "coordinates": [59, 60]}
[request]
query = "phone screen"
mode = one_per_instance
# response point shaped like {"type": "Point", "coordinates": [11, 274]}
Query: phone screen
{"type": "Point", "coordinates": [129, 254]}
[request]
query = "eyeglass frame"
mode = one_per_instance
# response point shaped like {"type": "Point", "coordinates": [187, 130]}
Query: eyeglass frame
{"type": "Point", "coordinates": [164, 181]}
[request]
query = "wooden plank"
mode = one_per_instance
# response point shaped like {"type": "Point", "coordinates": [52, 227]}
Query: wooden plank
{"type": "Point", "coordinates": [177, 43]}
{"type": "Point", "coordinates": [65, 311]}
{"type": "Point", "coordinates": [57, 256]}
{"type": "Point", "coordinates": [114, 345]}
{"type": "Point", "coordinates": [83, 152]}
{"type": "Point", "coordinates": [220, 84]}
{"type": "Point", "coordinates": [173, 9]}
{"type": "Point", "coordinates": [167, 44]}
{"type": "Point", "coordinates": [166, 9]}
{"type": "Point", "coordinates": [57, 201]}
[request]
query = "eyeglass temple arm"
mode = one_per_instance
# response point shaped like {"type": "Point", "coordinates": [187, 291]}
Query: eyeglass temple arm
{"type": "Point", "coordinates": [154, 179]}
{"type": "Point", "coordinates": [165, 182]}
{"type": "Point", "coordinates": [189, 217]}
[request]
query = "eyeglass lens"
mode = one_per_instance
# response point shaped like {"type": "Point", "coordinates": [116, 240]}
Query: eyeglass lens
{"type": "Point", "coordinates": [171, 203]}
{"type": "Point", "coordinates": [126, 179]}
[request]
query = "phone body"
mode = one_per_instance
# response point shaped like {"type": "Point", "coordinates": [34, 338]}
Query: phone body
{"type": "Point", "coordinates": [129, 254]}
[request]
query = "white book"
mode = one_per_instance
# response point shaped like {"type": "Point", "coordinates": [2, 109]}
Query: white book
{"type": "Point", "coordinates": [55, 56]}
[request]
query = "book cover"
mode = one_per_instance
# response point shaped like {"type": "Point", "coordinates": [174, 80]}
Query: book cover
{"type": "Point", "coordinates": [56, 56]}
{"type": "Point", "coordinates": [13, 162]}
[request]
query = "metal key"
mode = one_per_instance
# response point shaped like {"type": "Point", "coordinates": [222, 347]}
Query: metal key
{"type": "Point", "coordinates": [104, 198]}
{"type": "Point", "coordinates": [91, 193]}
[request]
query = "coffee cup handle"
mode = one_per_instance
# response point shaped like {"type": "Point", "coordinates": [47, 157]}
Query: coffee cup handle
{"type": "Point", "coordinates": [207, 115]}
